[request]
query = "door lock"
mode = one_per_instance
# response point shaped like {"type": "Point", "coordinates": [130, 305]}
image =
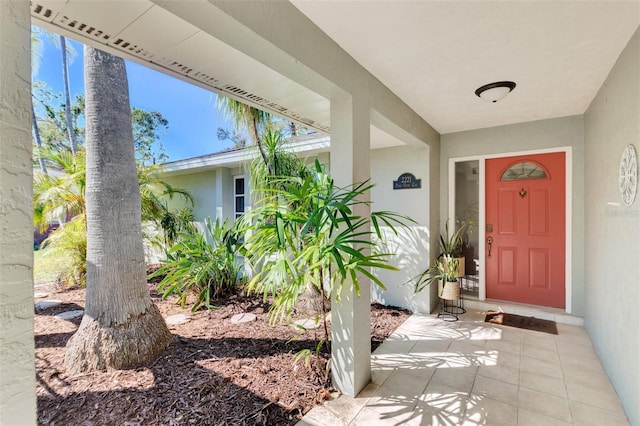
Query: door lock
{"type": "Point", "coordinates": [489, 242]}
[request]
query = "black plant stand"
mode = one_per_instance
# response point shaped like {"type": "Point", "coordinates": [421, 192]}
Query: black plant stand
{"type": "Point", "coordinates": [450, 309]}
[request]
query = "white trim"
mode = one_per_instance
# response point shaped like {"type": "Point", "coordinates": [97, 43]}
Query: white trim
{"type": "Point", "coordinates": [482, 292]}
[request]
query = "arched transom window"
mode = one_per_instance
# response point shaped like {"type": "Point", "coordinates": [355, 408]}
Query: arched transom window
{"type": "Point", "coordinates": [522, 171]}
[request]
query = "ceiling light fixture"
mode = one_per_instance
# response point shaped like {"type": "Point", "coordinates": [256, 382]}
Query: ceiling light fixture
{"type": "Point", "coordinates": [493, 92]}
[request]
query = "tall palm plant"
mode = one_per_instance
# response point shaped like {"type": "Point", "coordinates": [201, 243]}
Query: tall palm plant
{"type": "Point", "coordinates": [249, 118]}
{"type": "Point", "coordinates": [307, 233]}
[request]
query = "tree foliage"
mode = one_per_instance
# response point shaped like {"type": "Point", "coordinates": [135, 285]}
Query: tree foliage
{"type": "Point", "coordinates": [203, 263]}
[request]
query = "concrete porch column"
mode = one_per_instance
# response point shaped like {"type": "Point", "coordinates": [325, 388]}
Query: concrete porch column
{"type": "Point", "coordinates": [17, 349]}
{"type": "Point", "coordinates": [224, 194]}
{"type": "Point", "coordinates": [351, 316]}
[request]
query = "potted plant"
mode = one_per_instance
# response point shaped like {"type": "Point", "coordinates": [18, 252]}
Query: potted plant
{"type": "Point", "coordinates": [443, 270]}
{"type": "Point", "coordinates": [453, 245]}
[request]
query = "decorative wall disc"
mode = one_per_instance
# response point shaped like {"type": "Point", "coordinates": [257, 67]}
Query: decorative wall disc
{"type": "Point", "coordinates": [628, 175]}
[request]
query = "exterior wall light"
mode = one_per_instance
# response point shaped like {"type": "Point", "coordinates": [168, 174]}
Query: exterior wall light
{"type": "Point", "coordinates": [493, 92]}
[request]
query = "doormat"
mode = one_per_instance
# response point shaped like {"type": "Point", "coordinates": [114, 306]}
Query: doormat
{"type": "Point", "coordinates": [518, 321]}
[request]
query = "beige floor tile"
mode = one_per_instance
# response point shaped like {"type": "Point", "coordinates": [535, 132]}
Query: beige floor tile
{"type": "Point", "coordinates": [593, 376]}
{"type": "Point", "coordinates": [577, 339]}
{"type": "Point", "coordinates": [496, 390]}
{"type": "Point", "coordinates": [597, 396]}
{"type": "Point", "coordinates": [508, 359]}
{"type": "Point", "coordinates": [443, 408]}
{"type": "Point", "coordinates": [587, 415]}
{"type": "Point", "coordinates": [435, 345]}
{"type": "Point", "coordinates": [368, 417]}
{"type": "Point", "coordinates": [345, 407]}
{"type": "Point", "coordinates": [545, 384]}
{"type": "Point", "coordinates": [549, 405]}
{"type": "Point", "coordinates": [371, 390]}
{"type": "Point", "coordinates": [540, 340]}
{"type": "Point", "coordinates": [486, 411]}
{"type": "Point", "coordinates": [409, 382]}
{"type": "Point", "coordinates": [321, 416]}
{"type": "Point", "coordinates": [379, 375]}
{"type": "Point", "coordinates": [533, 418]}
{"type": "Point", "coordinates": [545, 368]}
{"type": "Point", "coordinates": [568, 348]}
{"type": "Point", "coordinates": [392, 403]}
{"type": "Point", "coordinates": [541, 353]}
{"type": "Point", "coordinates": [465, 347]}
{"type": "Point", "coordinates": [395, 347]}
{"type": "Point", "coordinates": [503, 346]}
{"type": "Point", "coordinates": [455, 378]}
{"type": "Point", "coordinates": [503, 373]}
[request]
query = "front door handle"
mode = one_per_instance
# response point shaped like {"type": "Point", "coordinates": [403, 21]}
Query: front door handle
{"type": "Point", "coordinates": [489, 242]}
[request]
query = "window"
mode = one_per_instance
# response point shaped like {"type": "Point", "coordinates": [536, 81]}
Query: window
{"type": "Point", "coordinates": [522, 171]}
{"type": "Point", "coordinates": [238, 196]}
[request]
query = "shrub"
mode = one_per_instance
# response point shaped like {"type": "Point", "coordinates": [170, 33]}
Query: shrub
{"type": "Point", "coordinates": [204, 263]}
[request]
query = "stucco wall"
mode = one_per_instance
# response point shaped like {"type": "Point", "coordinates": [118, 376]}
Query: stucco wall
{"type": "Point", "coordinates": [612, 231]}
{"type": "Point", "coordinates": [202, 187]}
{"type": "Point", "coordinates": [17, 351]}
{"type": "Point", "coordinates": [411, 247]}
{"type": "Point", "coordinates": [543, 134]}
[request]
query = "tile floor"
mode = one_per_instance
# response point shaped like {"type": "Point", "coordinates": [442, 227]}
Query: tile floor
{"type": "Point", "coordinates": [432, 372]}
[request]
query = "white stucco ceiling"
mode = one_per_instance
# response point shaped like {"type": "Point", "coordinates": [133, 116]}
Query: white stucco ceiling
{"type": "Point", "coordinates": [434, 54]}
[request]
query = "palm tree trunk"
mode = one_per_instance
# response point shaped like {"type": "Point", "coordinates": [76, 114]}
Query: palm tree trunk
{"type": "Point", "coordinates": [121, 328]}
{"type": "Point", "coordinates": [253, 128]}
{"type": "Point", "coordinates": [36, 132]}
{"type": "Point", "coordinates": [67, 94]}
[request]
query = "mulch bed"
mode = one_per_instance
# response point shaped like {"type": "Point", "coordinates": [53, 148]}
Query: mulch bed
{"type": "Point", "coordinates": [214, 372]}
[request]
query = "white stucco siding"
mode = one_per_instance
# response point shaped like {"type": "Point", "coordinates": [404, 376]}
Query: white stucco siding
{"type": "Point", "coordinates": [202, 186]}
{"type": "Point", "coordinates": [410, 247]}
{"type": "Point", "coordinates": [17, 352]}
{"type": "Point", "coordinates": [535, 135]}
{"type": "Point", "coordinates": [612, 231]}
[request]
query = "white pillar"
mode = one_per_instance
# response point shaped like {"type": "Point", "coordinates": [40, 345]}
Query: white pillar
{"type": "Point", "coordinates": [17, 351]}
{"type": "Point", "coordinates": [224, 194]}
{"type": "Point", "coordinates": [351, 316]}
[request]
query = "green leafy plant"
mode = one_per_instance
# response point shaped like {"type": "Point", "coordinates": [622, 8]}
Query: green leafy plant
{"type": "Point", "coordinates": [306, 232]}
{"type": "Point", "coordinates": [452, 244]}
{"type": "Point", "coordinates": [442, 269]}
{"type": "Point", "coordinates": [201, 263]}
{"type": "Point", "coordinates": [68, 244]}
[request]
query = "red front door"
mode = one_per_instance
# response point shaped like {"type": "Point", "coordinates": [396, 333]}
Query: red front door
{"type": "Point", "coordinates": [525, 229]}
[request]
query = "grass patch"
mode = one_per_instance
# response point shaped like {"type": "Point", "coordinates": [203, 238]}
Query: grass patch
{"type": "Point", "coordinates": [46, 267]}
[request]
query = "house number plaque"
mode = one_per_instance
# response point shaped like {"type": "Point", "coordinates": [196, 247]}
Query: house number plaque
{"type": "Point", "coordinates": [406, 181]}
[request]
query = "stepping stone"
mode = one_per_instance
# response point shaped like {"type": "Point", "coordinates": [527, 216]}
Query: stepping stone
{"type": "Point", "coordinates": [69, 315]}
{"type": "Point", "coordinates": [307, 324]}
{"type": "Point", "coordinates": [178, 319]}
{"type": "Point", "coordinates": [40, 295]}
{"type": "Point", "coordinates": [243, 318]}
{"type": "Point", "coordinates": [45, 304]}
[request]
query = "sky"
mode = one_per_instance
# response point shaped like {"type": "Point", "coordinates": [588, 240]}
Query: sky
{"type": "Point", "coordinates": [191, 111]}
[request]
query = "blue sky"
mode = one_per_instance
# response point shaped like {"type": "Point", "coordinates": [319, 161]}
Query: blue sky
{"type": "Point", "coordinates": [191, 111]}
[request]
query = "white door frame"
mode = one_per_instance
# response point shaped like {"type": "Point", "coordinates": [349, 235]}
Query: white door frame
{"type": "Point", "coordinates": [482, 290]}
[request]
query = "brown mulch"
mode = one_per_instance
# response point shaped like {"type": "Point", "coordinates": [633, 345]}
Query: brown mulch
{"type": "Point", "coordinates": [214, 372]}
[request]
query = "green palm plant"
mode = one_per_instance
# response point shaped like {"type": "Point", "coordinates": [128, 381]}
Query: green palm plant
{"type": "Point", "coordinates": [249, 118]}
{"type": "Point", "coordinates": [59, 197]}
{"type": "Point", "coordinates": [306, 233]}
{"type": "Point", "coordinates": [203, 263]}
{"type": "Point", "coordinates": [279, 163]}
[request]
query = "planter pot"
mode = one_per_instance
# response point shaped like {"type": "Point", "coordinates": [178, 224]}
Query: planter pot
{"type": "Point", "coordinates": [460, 271]}
{"type": "Point", "coordinates": [449, 291]}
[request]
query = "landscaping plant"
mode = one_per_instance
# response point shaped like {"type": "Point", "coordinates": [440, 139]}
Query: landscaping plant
{"type": "Point", "coordinates": [304, 232]}
{"type": "Point", "coordinates": [201, 263]}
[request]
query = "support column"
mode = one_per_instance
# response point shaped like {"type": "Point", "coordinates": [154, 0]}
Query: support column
{"type": "Point", "coordinates": [17, 349]}
{"type": "Point", "coordinates": [224, 194]}
{"type": "Point", "coordinates": [351, 316]}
